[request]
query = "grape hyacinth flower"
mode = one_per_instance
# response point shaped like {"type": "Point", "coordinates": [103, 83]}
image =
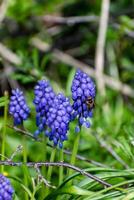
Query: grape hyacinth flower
{"type": "Point", "coordinates": [18, 107]}
{"type": "Point", "coordinates": [6, 190]}
{"type": "Point", "coordinates": [58, 119]}
{"type": "Point", "coordinates": [83, 95]}
{"type": "Point", "coordinates": [44, 96]}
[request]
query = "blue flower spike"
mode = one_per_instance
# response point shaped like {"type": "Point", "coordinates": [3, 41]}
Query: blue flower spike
{"type": "Point", "coordinates": [6, 190]}
{"type": "Point", "coordinates": [58, 119]}
{"type": "Point", "coordinates": [83, 95]}
{"type": "Point", "coordinates": [18, 107]}
{"type": "Point", "coordinates": [43, 100]}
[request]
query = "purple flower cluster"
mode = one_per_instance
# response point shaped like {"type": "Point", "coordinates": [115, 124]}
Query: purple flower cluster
{"type": "Point", "coordinates": [44, 96]}
{"type": "Point", "coordinates": [58, 118]}
{"type": "Point", "coordinates": [6, 190]}
{"type": "Point", "coordinates": [83, 95]}
{"type": "Point", "coordinates": [18, 107]}
{"type": "Point", "coordinates": [54, 112]}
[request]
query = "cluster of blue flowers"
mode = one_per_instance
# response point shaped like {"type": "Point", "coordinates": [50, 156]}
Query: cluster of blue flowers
{"type": "Point", "coordinates": [6, 190]}
{"type": "Point", "coordinates": [18, 107]}
{"type": "Point", "coordinates": [58, 118]}
{"type": "Point", "coordinates": [83, 95]}
{"type": "Point", "coordinates": [54, 112]}
{"type": "Point", "coordinates": [43, 100]}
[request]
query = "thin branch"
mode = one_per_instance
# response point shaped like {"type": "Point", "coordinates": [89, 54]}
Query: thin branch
{"type": "Point", "coordinates": [110, 150]}
{"type": "Point", "coordinates": [8, 55]}
{"type": "Point", "coordinates": [26, 133]}
{"type": "Point", "coordinates": [64, 151]}
{"type": "Point", "coordinates": [69, 60]}
{"type": "Point", "coordinates": [58, 20]}
{"type": "Point", "coordinates": [18, 150]}
{"type": "Point", "coordinates": [118, 27]}
{"type": "Point", "coordinates": [56, 164]}
{"type": "Point", "coordinates": [69, 20]}
{"type": "Point", "coordinates": [100, 46]}
{"type": "Point", "coordinates": [85, 159]}
{"type": "Point", "coordinates": [41, 178]}
{"type": "Point", "coordinates": [3, 9]}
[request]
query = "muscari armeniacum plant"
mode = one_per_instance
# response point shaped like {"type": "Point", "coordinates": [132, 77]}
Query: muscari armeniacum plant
{"type": "Point", "coordinates": [6, 190]}
{"type": "Point", "coordinates": [43, 100]}
{"type": "Point", "coordinates": [18, 107]}
{"type": "Point", "coordinates": [54, 112]}
{"type": "Point", "coordinates": [83, 95]}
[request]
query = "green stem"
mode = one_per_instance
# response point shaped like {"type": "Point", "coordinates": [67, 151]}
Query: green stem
{"type": "Point", "coordinates": [74, 152]}
{"type": "Point", "coordinates": [61, 168]}
{"type": "Point", "coordinates": [44, 153]}
{"type": "Point", "coordinates": [32, 197]}
{"type": "Point", "coordinates": [4, 129]}
{"type": "Point", "coordinates": [24, 167]}
{"type": "Point", "coordinates": [49, 173]}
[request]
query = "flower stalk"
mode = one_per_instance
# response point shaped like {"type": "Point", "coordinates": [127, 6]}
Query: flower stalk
{"type": "Point", "coordinates": [4, 129]}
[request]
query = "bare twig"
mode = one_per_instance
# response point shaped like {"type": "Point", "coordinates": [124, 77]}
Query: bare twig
{"type": "Point", "coordinates": [41, 178]}
{"type": "Point", "coordinates": [85, 159]}
{"type": "Point", "coordinates": [3, 9]}
{"type": "Point", "coordinates": [110, 150]}
{"type": "Point", "coordinates": [58, 20]}
{"type": "Point", "coordinates": [8, 55]}
{"type": "Point", "coordinates": [56, 164]}
{"type": "Point", "coordinates": [69, 20]}
{"type": "Point", "coordinates": [18, 149]}
{"type": "Point", "coordinates": [129, 33]}
{"type": "Point", "coordinates": [99, 56]}
{"type": "Point", "coordinates": [24, 132]}
{"type": "Point", "coordinates": [64, 151]}
{"type": "Point", "coordinates": [69, 60]}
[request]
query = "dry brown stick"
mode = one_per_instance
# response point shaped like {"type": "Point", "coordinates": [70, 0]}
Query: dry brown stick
{"type": "Point", "coordinates": [80, 19]}
{"type": "Point", "coordinates": [56, 164]}
{"type": "Point", "coordinates": [3, 9]}
{"type": "Point", "coordinates": [8, 55]}
{"type": "Point", "coordinates": [100, 46]}
{"type": "Point", "coordinates": [69, 60]}
{"type": "Point", "coordinates": [69, 20]}
{"type": "Point", "coordinates": [118, 27]}
{"type": "Point", "coordinates": [42, 178]}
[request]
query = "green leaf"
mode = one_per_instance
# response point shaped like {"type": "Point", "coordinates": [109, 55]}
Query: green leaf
{"type": "Point", "coordinates": [4, 103]}
{"type": "Point", "coordinates": [2, 99]}
{"type": "Point", "coordinates": [69, 81]}
{"type": "Point", "coordinates": [129, 196]}
{"type": "Point", "coordinates": [21, 184]}
{"type": "Point", "coordinates": [26, 189]}
{"type": "Point", "coordinates": [73, 190]}
{"type": "Point", "coordinates": [16, 197]}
